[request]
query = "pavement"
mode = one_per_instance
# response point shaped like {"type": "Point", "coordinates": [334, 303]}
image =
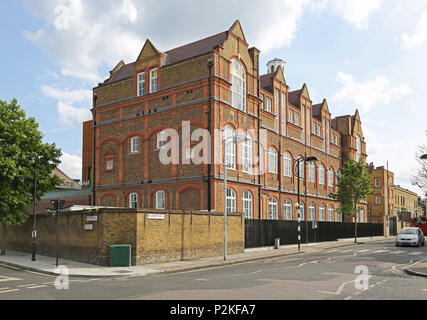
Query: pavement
{"type": "Point", "coordinates": [47, 265]}
{"type": "Point", "coordinates": [418, 269]}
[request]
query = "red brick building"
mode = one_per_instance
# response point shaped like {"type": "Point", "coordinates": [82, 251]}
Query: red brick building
{"type": "Point", "coordinates": [160, 90]}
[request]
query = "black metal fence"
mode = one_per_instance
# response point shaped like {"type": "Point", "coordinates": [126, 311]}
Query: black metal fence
{"type": "Point", "coordinates": [262, 233]}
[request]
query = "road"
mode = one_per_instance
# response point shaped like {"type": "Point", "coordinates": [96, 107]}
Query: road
{"type": "Point", "coordinates": [323, 275]}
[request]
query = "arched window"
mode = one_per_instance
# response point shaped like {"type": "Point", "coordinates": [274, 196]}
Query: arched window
{"type": "Point", "coordinates": [272, 160]}
{"type": "Point", "coordinates": [247, 156]}
{"type": "Point", "coordinates": [230, 148]}
{"type": "Point", "coordinates": [160, 200]}
{"type": "Point", "coordinates": [134, 145]}
{"type": "Point", "coordinates": [272, 208]}
{"type": "Point", "coordinates": [288, 210]}
{"type": "Point", "coordinates": [301, 167]}
{"type": "Point", "coordinates": [301, 208]}
{"type": "Point", "coordinates": [312, 211]}
{"type": "Point", "coordinates": [133, 200]}
{"type": "Point", "coordinates": [238, 85]}
{"type": "Point", "coordinates": [358, 148]}
{"type": "Point", "coordinates": [311, 172]}
{"type": "Point", "coordinates": [321, 212]}
{"type": "Point", "coordinates": [287, 165]}
{"type": "Point", "coordinates": [330, 177]}
{"type": "Point", "coordinates": [321, 175]}
{"type": "Point", "coordinates": [231, 201]}
{"type": "Point", "coordinates": [362, 215]}
{"type": "Point", "coordinates": [331, 214]}
{"type": "Point", "coordinates": [247, 205]}
{"type": "Point", "coordinates": [339, 215]}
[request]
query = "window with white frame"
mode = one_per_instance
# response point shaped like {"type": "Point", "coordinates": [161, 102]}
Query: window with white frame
{"type": "Point", "coordinates": [339, 215]}
{"type": "Point", "coordinates": [231, 201]}
{"type": "Point", "coordinates": [248, 204]}
{"type": "Point", "coordinates": [291, 115]}
{"type": "Point", "coordinates": [301, 165]}
{"type": "Point", "coordinates": [238, 85]}
{"type": "Point", "coordinates": [288, 210]}
{"type": "Point", "coordinates": [312, 211]}
{"type": "Point", "coordinates": [134, 145]}
{"type": "Point", "coordinates": [302, 212]}
{"type": "Point", "coordinates": [141, 83]}
{"type": "Point", "coordinates": [377, 183]}
{"type": "Point", "coordinates": [358, 148]}
{"type": "Point", "coordinates": [283, 113]}
{"type": "Point", "coordinates": [296, 119]}
{"type": "Point", "coordinates": [321, 175]}
{"type": "Point", "coordinates": [276, 101]}
{"type": "Point", "coordinates": [272, 209]}
{"type": "Point", "coordinates": [331, 214]}
{"type": "Point", "coordinates": [161, 139]}
{"type": "Point", "coordinates": [160, 200]}
{"type": "Point", "coordinates": [261, 96]}
{"type": "Point", "coordinates": [362, 215]}
{"type": "Point", "coordinates": [311, 172]}
{"type": "Point", "coordinates": [153, 80]}
{"type": "Point", "coordinates": [230, 148]}
{"type": "Point", "coordinates": [287, 165]}
{"type": "Point", "coordinates": [272, 160]}
{"type": "Point", "coordinates": [377, 199]}
{"type": "Point", "coordinates": [133, 200]}
{"type": "Point", "coordinates": [338, 175]}
{"type": "Point", "coordinates": [330, 177]}
{"type": "Point", "coordinates": [268, 104]}
{"type": "Point", "coordinates": [247, 156]}
{"type": "Point", "coordinates": [321, 212]}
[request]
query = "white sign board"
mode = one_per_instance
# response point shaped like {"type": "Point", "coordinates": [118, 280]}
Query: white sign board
{"type": "Point", "coordinates": [88, 227]}
{"type": "Point", "coordinates": [153, 216]}
{"type": "Point", "coordinates": [91, 218]}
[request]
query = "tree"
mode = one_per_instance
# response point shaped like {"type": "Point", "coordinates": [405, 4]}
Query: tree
{"type": "Point", "coordinates": [21, 141]}
{"type": "Point", "coordinates": [420, 179]}
{"type": "Point", "coordinates": [354, 185]}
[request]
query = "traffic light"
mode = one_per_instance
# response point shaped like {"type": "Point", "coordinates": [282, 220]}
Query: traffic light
{"type": "Point", "coordinates": [57, 204]}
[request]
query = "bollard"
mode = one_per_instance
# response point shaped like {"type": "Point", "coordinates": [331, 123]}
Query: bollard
{"type": "Point", "coordinates": [277, 243]}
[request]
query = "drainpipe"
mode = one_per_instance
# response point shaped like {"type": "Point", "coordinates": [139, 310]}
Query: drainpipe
{"type": "Point", "coordinates": [210, 65]}
{"type": "Point", "coordinates": [259, 156]}
{"type": "Point", "coordinates": [94, 151]}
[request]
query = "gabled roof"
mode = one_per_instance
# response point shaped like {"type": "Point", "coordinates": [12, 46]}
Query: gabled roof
{"type": "Point", "coordinates": [266, 82]}
{"type": "Point", "coordinates": [125, 71]}
{"type": "Point", "coordinates": [195, 48]}
{"type": "Point", "coordinates": [293, 97]}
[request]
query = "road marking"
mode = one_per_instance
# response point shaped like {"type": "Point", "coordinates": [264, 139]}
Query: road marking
{"type": "Point", "coordinates": [415, 253]}
{"type": "Point", "coordinates": [35, 287]}
{"type": "Point", "coordinates": [396, 252]}
{"type": "Point", "coordinates": [12, 290]}
{"type": "Point", "coordinates": [348, 298]}
{"type": "Point", "coordinates": [333, 251]}
{"type": "Point", "coordinates": [4, 279]}
{"type": "Point", "coordinates": [366, 250]}
{"type": "Point", "coordinates": [381, 251]}
{"type": "Point", "coordinates": [27, 285]}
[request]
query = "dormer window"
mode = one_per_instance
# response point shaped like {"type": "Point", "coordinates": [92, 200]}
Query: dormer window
{"type": "Point", "coordinates": [238, 85]}
{"type": "Point", "coordinates": [153, 80]}
{"type": "Point", "coordinates": [141, 83]}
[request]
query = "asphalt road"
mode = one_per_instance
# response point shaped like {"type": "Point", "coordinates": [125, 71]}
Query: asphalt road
{"type": "Point", "coordinates": [325, 275]}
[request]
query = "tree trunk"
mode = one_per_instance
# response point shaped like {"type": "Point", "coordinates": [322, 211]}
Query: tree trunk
{"type": "Point", "coordinates": [355, 231]}
{"type": "Point", "coordinates": [3, 239]}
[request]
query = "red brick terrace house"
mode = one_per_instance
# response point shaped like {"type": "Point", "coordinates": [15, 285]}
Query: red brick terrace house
{"type": "Point", "coordinates": [162, 89]}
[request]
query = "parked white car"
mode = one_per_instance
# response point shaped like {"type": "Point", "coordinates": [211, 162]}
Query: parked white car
{"type": "Point", "coordinates": [411, 237]}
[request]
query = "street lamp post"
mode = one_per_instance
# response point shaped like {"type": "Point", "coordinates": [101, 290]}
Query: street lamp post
{"type": "Point", "coordinates": [235, 139]}
{"type": "Point", "coordinates": [297, 165]}
{"type": "Point", "coordinates": [34, 233]}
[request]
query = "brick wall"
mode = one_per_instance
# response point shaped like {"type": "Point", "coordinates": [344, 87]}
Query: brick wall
{"type": "Point", "coordinates": [179, 236]}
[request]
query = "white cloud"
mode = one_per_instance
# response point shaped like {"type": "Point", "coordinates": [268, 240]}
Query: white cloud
{"type": "Point", "coordinates": [71, 116]}
{"type": "Point", "coordinates": [71, 165]}
{"type": "Point", "coordinates": [370, 93]}
{"type": "Point", "coordinates": [81, 95]}
{"type": "Point", "coordinates": [418, 38]}
{"type": "Point", "coordinates": [355, 12]}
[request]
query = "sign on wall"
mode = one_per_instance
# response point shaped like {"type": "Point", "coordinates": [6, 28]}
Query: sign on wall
{"type": "Point", "coordinates": [92, 218]}
{"type": "Point", "coordinates": [153, 216]}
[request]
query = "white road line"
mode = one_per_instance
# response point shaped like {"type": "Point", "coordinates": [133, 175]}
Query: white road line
{"type": "Point", "coordinates": [333, 251]}
{"type": "Point", "coordinates": [365, 250]}
{"type": "Point", "coordinates": [415, 253]}
{"type": "Point", "coordinates": [381, 251]}
{"type": "Point", "coordinates": [12, 290]}
{"type": "Point", "coordinates": [27, 285]}
{"type": "Point", "coordinates": [4, 279]}
{"type": "Point", "coordinates": [396, 252]}
{"type": "Point", "coordinates": [35, 287]}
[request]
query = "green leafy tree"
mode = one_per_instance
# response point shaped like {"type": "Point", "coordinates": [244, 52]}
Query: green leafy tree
{"type": "Point", "coordinates": [354, 185]}
{"type": "Point", "coordinates": [20, 141]}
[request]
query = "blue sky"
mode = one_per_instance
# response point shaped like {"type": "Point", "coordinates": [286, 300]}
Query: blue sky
{"type": "Point", "coordinates": [365, 54]}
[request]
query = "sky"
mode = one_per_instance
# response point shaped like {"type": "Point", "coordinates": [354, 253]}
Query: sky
{"type": "Point", "coordinates": [369, 55]}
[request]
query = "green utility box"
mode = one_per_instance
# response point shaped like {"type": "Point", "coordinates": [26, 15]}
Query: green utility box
{"type": "Point", "coordinates": [120, 255]}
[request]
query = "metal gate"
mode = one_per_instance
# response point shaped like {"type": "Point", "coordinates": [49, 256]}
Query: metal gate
{"type": "Point", "coordinates": [393, 226]}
